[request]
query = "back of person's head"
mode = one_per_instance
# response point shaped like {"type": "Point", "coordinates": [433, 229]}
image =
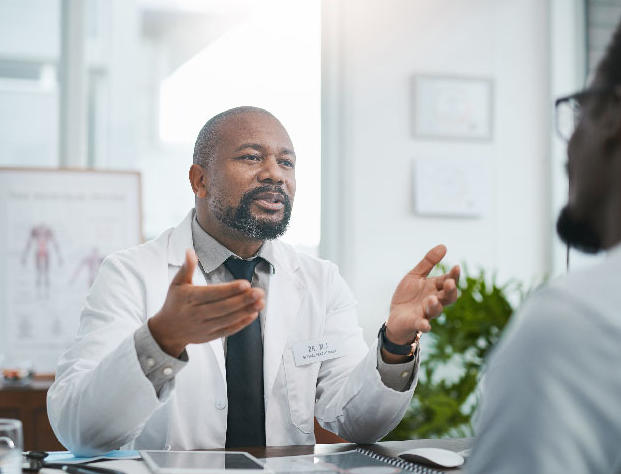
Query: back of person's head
{"type": "Point", "coordinates": [591, 221]}
{"type": "Point", "coordinates": [608, 72]}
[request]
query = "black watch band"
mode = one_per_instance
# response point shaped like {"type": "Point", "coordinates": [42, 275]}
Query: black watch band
{"type": "Point", "coordinates": [397, 349]}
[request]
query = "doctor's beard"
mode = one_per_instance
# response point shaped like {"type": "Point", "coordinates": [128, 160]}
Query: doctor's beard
{"type": "Point", "coordinates": [240, 218]}
{"type": "Point", "coordinates": [577, 232]}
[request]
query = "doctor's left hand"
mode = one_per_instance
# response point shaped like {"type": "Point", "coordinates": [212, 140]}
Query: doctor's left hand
{"type": "Point", "coordinates": [418, 298]}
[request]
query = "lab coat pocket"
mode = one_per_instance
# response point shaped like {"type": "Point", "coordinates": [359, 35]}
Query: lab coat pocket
{"type": "Point", "coordinates": [301, 384]}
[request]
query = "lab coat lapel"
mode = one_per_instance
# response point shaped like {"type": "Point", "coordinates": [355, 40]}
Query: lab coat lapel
{"type": "Point", "coordinates": [180, 240]}
{"type": "Point", "coordinates": [216, 344]}
{"type": "Point", "coordinates": [282, 312]}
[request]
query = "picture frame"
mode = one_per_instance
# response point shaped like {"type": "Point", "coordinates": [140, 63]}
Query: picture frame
{"type": "Point", "coordinates": [58, 226]}
{"type": "Point", "coordinates": [452, 107]}
{"type": "Point", "coordinates": [455, 187]}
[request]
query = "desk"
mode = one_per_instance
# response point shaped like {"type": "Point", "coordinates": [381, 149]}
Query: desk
{"type": "Point", "coordinates": [386, 448]}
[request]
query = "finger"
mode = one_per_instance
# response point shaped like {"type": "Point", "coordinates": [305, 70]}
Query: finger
{"type": "Point", "coordinates": [449, 286]}
{"type": "Point", "coordinates": [231, 324]}
{"type": "Point", "coordinates": [453, 274]}
{"type": "Point", "coordinates": [210, 293]}
{"type": "Point", "coordinates": [184, 275]}
{"type": "Point", "coordinates": [433, 257]}
{"type": "Point", "coordinates": [229, 305]}
{"type": "Point", "coordinates": [234, 328]}
{"type": "Point", "coordinates": [424, 326]}
{"type": "Point", "coordinates": [432, 307]}
{"type": "Point", "coordinates": [449, 293]}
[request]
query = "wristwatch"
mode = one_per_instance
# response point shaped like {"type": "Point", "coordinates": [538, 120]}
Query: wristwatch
{"type": "Point", "coordinates": [397, 349]}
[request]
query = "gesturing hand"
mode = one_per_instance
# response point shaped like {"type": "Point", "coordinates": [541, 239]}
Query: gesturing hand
{"type": "Point", "coordinates": [197, 314]}
{"type": "Point", "coordinates": [418, 298]}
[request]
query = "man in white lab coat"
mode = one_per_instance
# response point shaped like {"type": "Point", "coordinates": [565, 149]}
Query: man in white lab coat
{"type": "Point", "coordinates": [215, 334]}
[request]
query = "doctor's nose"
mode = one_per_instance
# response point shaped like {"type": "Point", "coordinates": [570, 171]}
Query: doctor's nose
{"type": "Point", "coordinates": [271, 172]}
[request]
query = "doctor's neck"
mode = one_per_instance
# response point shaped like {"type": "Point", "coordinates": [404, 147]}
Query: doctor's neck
{"type": "Point", "coordinates": [235, 240]}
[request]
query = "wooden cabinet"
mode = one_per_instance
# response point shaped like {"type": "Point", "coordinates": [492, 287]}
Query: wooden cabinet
{"type": "Point", "coordinates": [27, 403]}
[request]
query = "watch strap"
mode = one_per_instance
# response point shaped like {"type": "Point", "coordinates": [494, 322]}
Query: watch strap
{"type": "Point", "coordinates": [397, 349]}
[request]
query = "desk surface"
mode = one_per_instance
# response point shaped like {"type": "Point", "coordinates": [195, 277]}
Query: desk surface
{"type": "Point", "coordinates": [31, 386]}
{"type": "Point", "coordinates": [386, 448]}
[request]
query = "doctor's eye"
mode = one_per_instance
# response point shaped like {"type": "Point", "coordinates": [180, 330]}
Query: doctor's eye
{"type": "Point", "coordinates": [250, 157]}
{"type": "Point", "coordinates": [287, 163]}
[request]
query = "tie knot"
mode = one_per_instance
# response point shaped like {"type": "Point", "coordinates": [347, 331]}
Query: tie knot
{"type": "Point", "coordinates": [241, 269]}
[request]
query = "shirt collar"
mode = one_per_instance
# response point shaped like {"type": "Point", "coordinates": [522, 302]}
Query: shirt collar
{"type": "Point", "coordinates": [212, 253]}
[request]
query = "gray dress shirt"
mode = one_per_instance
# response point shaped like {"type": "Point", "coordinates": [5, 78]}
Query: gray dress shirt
{"type": "Point", "coordinates": [160, 367]}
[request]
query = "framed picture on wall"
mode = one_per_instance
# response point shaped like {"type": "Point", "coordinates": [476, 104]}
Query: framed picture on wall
{"type": "Point", "coordinates": [57, 227]}
{"type": "Point", "coordinates": [454, 186]}
{"type": "Point", "coordinates": [458, 108]}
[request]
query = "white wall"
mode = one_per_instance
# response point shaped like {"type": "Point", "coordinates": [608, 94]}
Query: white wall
{"type": "Point", "coordinates": [371, 50]}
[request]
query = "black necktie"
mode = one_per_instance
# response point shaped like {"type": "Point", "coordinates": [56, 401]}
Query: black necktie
{"type": "Point", "coordinates": [244, 374]}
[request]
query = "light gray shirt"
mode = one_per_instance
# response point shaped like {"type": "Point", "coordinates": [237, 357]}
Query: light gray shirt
{"type": "Point", "coordinates": [552, 393]}
{"type": "Point", "coordinates": [160, 367]}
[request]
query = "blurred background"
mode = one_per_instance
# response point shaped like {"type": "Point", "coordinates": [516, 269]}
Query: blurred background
{"type": "Point", "coordinates": [415, 122]}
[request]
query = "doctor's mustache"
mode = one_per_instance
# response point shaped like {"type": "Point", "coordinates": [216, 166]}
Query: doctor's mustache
{"type": "Point", "coordinates": [252, 194]}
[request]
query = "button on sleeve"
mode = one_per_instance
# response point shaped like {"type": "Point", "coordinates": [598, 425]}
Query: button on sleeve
{"type": "Point", "coordinates": [397, 376]}
{"type": "Point", "coordinates": [158, 366]}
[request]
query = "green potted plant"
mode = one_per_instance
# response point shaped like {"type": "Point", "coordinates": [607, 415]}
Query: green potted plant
{"type": "Point", "coordinates": [452, 358]}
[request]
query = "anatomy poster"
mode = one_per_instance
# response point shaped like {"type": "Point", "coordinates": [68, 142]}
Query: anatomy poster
{"type": "Point", "coordinates": [57, 227]}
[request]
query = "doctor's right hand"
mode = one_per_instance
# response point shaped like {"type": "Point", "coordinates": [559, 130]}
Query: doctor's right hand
{"type": "Point", "coordinates": [195, 314]}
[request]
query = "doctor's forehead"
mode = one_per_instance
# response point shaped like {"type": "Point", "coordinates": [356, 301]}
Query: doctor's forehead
{"type": "Point", "coordinates": [253, 128]}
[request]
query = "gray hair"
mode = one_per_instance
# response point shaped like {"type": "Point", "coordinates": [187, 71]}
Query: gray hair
{"type": "Point", "coordinates": [207, 140]}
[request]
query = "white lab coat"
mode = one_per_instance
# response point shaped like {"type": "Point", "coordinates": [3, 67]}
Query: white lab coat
{"type": "Point", "coordinates": [101, 399]}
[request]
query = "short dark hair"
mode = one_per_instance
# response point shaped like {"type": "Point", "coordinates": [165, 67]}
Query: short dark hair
{"type": "Point", "coordinates": [207, 139]}
{"type": "Point", "coordinates": [608, 71]}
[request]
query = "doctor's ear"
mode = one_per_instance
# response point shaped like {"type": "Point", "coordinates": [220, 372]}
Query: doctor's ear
{"type": "Point", "coordinates": [197, 180]}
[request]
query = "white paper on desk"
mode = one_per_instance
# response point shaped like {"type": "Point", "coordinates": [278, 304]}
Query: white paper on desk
{"type": "Point", "coordinates": [65, 457]}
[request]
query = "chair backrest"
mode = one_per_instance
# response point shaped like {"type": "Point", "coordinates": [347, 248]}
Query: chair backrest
{"type": "Point", "coordinates": [326, 437]}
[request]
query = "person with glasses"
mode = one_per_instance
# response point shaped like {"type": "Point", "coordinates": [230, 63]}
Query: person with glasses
{"type": "Point", "coordinates": [552, 389]}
